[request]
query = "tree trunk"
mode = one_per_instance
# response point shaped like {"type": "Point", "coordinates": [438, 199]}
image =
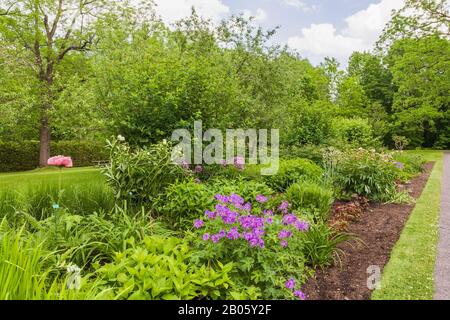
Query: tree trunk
{"type": "Point", "coordinates": [44, 140]}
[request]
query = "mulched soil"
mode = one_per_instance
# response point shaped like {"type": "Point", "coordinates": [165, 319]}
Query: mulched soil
{"type": "Point", "coordinates": [379, 229]}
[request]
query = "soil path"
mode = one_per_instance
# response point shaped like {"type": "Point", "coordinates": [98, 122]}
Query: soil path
{"type": "Point", "coordinates": [442, 271]}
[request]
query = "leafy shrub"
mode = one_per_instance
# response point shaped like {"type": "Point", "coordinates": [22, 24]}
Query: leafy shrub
{"type": "Point", "coordinates": [367, 173]}
{"type": "Point", "coordinates": [142, 174]}
{"type": "Point", "coordinates": [267, 247]}
{"type": "Point", "coordinates": [183, 201]}
{"type": "Point", "coordinates": [311, 196]}
{"type": "Point", "coordinates": [291, 171]}
{"type": "Point", "coordinates": [311, 152]}
{"type": "Point", "coordinates": [320, 245]}
{"type": "Point", "coordinates": [159, 268]}
{"type": "Point", "coordinates": [248, 189]}
{"type": "Point", "coordinates": [94, 237]}
{"type": "Point", "coordinates": [408, 164]}
{"type": "Point", "coordinates": [15, 156]}
{"type": "Point", "coordinates": [355, 132]}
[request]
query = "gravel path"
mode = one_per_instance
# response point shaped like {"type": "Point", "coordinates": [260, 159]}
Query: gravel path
{"type": "Point", "coordinates": [442, 271]}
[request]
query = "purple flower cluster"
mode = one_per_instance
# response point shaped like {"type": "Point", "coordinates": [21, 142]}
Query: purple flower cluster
{"type": "Point", "coordinates": [261, 199]}
{"type": "Point", "coordinates": [239, 223]}
{"type": "Point", "coordinates": [290, 284]}
{"type": "Point", "coordinates": [283, 207]}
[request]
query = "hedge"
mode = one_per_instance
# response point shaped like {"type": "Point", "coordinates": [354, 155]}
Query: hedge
{"type": "Point", "coordinates": [21, 156]}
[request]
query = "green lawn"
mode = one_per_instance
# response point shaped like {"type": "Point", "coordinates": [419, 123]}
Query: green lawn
{"type": "Point", "coordinates": [409, 272]}
{"type": "Point", "coordinates": [81, 191]}
{"type": "Point", "coordinates": [22, 180]}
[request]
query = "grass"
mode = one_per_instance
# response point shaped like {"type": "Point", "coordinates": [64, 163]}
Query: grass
{"type": "Point", "coordinates": [409, 272]}
{"type": "Point", "coordinates": [84, 191]}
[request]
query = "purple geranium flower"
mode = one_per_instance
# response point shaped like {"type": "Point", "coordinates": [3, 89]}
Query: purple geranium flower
{"type": "Point", "coordinates": [290, 284]}
{"type": "Point", "coordinates": [302, 225]}
{"type": "Point", "coordinates": [283, 206]}
{"type": "Point", "coordinates": [205, 237]}
{"type": "Point", "coordinates": [233, 234]}
{"type": "Point", "coordinates": [300, 294]}
{"type": "Point", "coordinates": [221, 198]}
{"type": "Point", "coordinates": [284, 243]}
{"type": "Point", "coordinates": [283, 234]}
{"type": "Point", "coordinates": [261, 199]}
{"type": "Point", "coordinates": [289, 219]}
{"type": "Point", "coordinates": [210, 214]}
{"type": "Point", "coordinates": [198, 169]}
{"type": "Point", "coordinates": [198, 223]}
{"type": "Point", "coordinates": [236, 199]}
{"type": "Point", "coordinates": [215, 238]}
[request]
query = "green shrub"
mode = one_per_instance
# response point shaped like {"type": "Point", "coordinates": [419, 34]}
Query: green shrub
{"type": "Point", "coordinates": [159, 268]}
{"type": "Point", "coordinates": [247, 189]}
{"type": "Point", "coordinates": [291, 171]}
{"type": "Point", "coordinates": [411, 164]}
{"type": "Point", "coordinates": [311, 152]}
{"type": "Point", "coordinates": [142, 174]}
{"type": "Point", "coordinates": [15, 156]}
{"type": "Point", "coordinates": [311, 196]}
{"type": "Point", "coordinates": [354, 132]}
{"type": "Point", "coordinates": [184, 201]}
{"type": "Point", "coordinates": [320, 245]}
{"type": "Point", "coordinates": [367, 173]}
{"type": "Point", "coordinates": [94, 237]}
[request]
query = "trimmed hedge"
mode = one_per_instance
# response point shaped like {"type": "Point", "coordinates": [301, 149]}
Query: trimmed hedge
{"type": "Point", "coordinates": [21, 156]}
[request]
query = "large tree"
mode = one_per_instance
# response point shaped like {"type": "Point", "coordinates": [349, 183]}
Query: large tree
{"type": "Point", "coordinates": [43, 33]}
{"type": "Point", "coordinates": [416, 19]}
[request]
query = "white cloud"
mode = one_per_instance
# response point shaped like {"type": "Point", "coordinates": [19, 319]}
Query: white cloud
{"type": "Point", "coordinates": [260, 15]}
{"type": "Point", "coordinates": [361, 31]}
{"type": "Point", "coordinates": [298, 4]}
{"type": "Point", "coordinates": [172, 10]}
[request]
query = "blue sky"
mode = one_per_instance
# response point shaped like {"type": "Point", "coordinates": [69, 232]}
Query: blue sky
{"type": "Point", "coordinates": [315, 29]}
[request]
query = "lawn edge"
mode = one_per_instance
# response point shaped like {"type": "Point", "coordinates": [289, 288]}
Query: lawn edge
{"type": "Point", "coordinates": [409, 273]}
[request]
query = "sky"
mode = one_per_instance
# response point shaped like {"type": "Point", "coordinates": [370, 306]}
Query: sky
{"type": "Point", "coordinates": [316, 29]}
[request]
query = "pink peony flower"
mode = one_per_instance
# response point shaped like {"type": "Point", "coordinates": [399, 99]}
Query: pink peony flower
{"type": "Point", "coordinates": [60, 161]}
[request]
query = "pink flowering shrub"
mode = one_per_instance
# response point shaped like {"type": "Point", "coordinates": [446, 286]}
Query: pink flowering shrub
{"type": "Point", "coordinates": [265, 243]}
{"type": "Point", "coordinates": [60, 161]}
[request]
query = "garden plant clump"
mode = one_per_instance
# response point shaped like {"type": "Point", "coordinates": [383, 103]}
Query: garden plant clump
{"type": "Point", "coordinates": [151, 155]}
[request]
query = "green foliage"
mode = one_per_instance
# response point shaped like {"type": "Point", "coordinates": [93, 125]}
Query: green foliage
{"type": "Point", "coordinates": [291, 171]}
{"type": "Point", "coordinates": [22, 265]}
{"type": "Point", "coordinates": [182, 202]}
{"type": "Point", "coordinates": [15, 156]}
{"type": "Point", "coordinates": [159, 268]}
{"type": "Point", "coordinates": [141, 175]}
{"type": "Point", "coordinates": [312, 197]}
{"type": "Point", "coordinates": [367, 173]}
{"type": "Point", "coordinates": [320, 245]}
{"type": "Point", "coordinates": [306, 124]}
{"type": "Point", "coordinates": [421, 103]}
{"type": "Point", "coordinates": [247, 189]}
{"type": "Point", "coordinates": [355, 132]}
{"type": "Point", "coordinates": [311, 152]}
{"type": "Point", "coordinates": [96, 237]}
{"type": "Point", "coordinates": [85, 199]}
